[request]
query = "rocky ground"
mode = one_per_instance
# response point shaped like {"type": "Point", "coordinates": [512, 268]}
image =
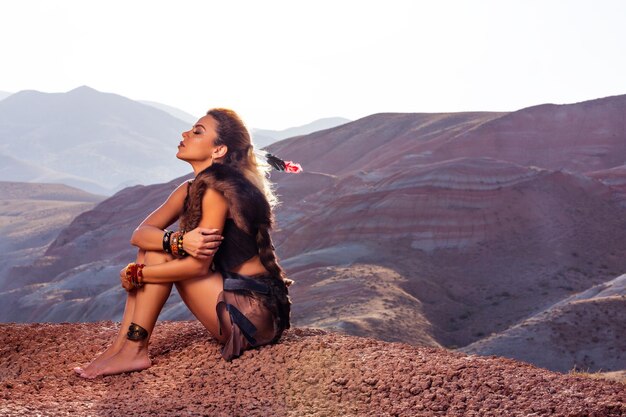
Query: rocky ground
{"type": "Point", "coordinates": [309, 373]}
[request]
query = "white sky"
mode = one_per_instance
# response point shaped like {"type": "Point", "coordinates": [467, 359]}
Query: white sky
{"type": "Point", "coordinates": [286, 63]}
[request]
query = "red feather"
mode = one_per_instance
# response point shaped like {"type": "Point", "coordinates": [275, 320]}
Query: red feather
{"type": "Point", "coordinates": [292, 167]}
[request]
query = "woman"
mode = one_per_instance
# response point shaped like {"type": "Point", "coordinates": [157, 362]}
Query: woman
{"type": "Point", "coordinates": [243, 302]}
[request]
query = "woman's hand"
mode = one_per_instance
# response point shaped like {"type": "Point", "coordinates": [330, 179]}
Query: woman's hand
{"type": "Point", "coordinates": [126, 284]}
{"type": "Point", "coordinates": [201, 242]}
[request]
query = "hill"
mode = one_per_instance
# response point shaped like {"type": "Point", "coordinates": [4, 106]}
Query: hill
{"type": "Point", "coordinates": [579, 137]}
{"type": "Point", "coordinates": [31, 217]}
{"type": "Point", "coordinates": [587, 326]}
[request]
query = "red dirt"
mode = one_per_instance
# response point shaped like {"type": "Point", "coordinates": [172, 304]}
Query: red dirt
{"type": "Point", "coordinates": [310, 372]}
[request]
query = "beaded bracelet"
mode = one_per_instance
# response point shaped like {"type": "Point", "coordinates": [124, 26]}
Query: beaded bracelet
{"type": "Point", "coordinates": [181, 251]}
{"type": "Point", "coordinates": [176, 244]}
{"type": "Point", "coordinates": [134, 275]}
{"type": "Point", "coordinates": [166, 241]}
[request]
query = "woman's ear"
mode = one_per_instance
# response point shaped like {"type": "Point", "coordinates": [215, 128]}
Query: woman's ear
{"type": "Point", "coordinates": [219, 151]}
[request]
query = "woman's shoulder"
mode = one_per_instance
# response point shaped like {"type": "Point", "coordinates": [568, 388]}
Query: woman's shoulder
{"type": "Point", "coordinates": [181, 190]}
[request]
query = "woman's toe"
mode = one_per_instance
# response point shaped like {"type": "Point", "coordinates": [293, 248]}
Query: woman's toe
{"type": "Point", "coordinates": [85, 374]}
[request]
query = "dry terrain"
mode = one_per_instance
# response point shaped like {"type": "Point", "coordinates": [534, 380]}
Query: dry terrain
{"type": "Point", "coordinates": [308, 373]}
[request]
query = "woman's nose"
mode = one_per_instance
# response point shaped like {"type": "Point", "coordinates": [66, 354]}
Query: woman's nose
{"type": "Point", "coordinates": [185, 133]}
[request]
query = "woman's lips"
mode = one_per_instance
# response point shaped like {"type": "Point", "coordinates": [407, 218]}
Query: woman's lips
{"type": "Point", "coordinates": [181, 144]}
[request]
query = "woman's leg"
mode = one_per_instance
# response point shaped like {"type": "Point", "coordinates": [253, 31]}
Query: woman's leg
{"type": "Point", "coordinates": [121, 335]}
{"type": "Point", "coordinates": [200, 296]}
{"type": "Point", "coordinates": [148, 301]}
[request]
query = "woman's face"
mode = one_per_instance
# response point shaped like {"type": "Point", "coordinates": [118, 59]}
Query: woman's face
{"type": "Point", "coordinates": [198, 144]}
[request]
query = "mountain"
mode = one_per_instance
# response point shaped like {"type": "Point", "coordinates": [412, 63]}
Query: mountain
{"type": "Point", "coordinates": [265, 137]}
{"type": "Point", "coordinates": [394, 141]}
{"type": "Point", "coordinates": [581, 137]}
{"type": "Point", "coordinates": [386, 240]}
{"type": "Point", "coordinates": [4, 94]}
{"type": "Point", "coordinates": [99, 137]}
{"type": "Point", "coordinates": [31, 217]}
{"type": "Point", "coordinates": [99, 142]}
{"type": "Point", "coordinates": [309, 372]}
{"type": "Point", "coordinates": [177, 113]}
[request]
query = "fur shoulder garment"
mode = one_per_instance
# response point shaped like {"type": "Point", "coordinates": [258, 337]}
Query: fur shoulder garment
{"type": "Point", "coordinates": [248, 205]}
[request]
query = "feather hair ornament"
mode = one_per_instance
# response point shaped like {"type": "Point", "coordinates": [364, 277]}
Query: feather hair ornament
{"type": "Point", "coordinates": [280, 165]}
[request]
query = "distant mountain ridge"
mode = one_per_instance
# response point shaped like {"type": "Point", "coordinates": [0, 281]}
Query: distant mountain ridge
{"type": "Point", "coordinates": [100, 142]}
{"type": "Point", "coordinates": [101, 137]}
{"type": "Point", "coordinates": [4, 94]}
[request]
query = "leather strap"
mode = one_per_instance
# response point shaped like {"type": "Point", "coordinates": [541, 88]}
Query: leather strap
{"type": "Point", "coordinates": [247, 328]}
{"type": "Point", "coordinates": [234, 281]}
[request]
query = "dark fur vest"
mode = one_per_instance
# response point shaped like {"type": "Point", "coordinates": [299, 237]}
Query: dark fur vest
{"type": "Point", "coordinates": [248, 205]}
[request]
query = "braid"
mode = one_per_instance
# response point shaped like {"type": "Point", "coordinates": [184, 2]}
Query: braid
{"type": "Point", "coordinates": [269, 261]}
{"type": "Point", "coordinates": [267, 254]}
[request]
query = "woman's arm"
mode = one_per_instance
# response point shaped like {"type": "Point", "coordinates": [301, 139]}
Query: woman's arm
{"type": "Point", "coordinates": [149, 234]}
{"type": "Point", "coordinates": [199, 242]}
{"type": "Point", "coordinates": [214, 211]}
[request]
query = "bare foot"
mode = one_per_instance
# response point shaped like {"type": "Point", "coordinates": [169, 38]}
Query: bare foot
{"type": "Point", "coordinates": [126, 360]}
{"type": "Point", "coordinates": [104, 356]}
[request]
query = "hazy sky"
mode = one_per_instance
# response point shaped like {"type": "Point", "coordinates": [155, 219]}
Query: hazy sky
{"type": "Point", "coordinates": [286, 63]}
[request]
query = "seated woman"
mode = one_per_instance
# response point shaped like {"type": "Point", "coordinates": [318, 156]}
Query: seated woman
{"type": "Point", "coordinates": [238, 291]}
